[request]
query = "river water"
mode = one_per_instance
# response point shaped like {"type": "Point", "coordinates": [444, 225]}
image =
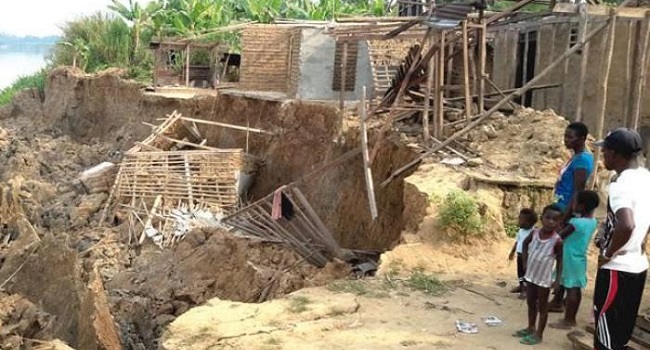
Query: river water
{"type": "Point", "coordinates": [16, 61]}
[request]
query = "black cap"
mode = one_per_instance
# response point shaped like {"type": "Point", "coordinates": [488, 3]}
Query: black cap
{"type": "Point", "coordinates": [622, 140]}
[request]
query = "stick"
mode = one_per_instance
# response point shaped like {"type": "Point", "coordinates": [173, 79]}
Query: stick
{"type": "Point", "coordinates": [427, 97]}
{"type": "Point", "coordinates": [370, 187]}
{"type": "Point", "coordinates": [482, 62]}
{"type": "Point", "coordinates": [583, 62]}
{"type": "Point", "coordinates": [481, 294]}
{"type": "Point", "coordinates": [229, 126]}
{"type": "Point", "coordinates": [499, 91]}
{"type": "Point", "coordinates": [344, 66]}
{"type": "Point", "coordinates": [439, 115]}
{"type": "Point", "coordinates": [492, 94]}
{"type": "Point", "coordinates": [468, 98]}
{"type": "Point", "coordinates": [187, 66]}
{"type": "Point", "coordinates": [607, 64]}
{"type": "Point", "coordinates": [154, 208]}
{"type": "Point", "coordinates": [641, 62]}
{"type": "Point", "coordinates": [448, 148]}
{"type": "Point", "coordinates": [400, 93]}
{"type": "Point", "coordinates": [498, 105]}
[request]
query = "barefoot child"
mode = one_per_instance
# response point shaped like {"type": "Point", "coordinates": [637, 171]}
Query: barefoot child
{"type": "Point", "coordinates": [576, 237]}
{"type": "Point", "coordinates": [527, 220]}
{"type": "Point", "coordinates": [542, 250]}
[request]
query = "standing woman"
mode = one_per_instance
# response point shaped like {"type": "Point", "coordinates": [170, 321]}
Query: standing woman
{"type": "Point", "coordinates": [573, 179]}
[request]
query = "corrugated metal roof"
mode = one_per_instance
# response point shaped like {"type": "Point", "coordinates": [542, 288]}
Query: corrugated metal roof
{"type": "Point", "coordinates": [449, 15]}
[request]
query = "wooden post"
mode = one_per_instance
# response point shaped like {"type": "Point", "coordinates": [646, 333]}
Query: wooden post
{"type": "Point", "coordinates": [427, 97]}
{"type": "Point", "coordinates": [481, 117]}
{"type": "Point", "coordinates": [641, 62]}
{"type": "Point", "coordinates": [607, 63]}
{"type": "Point", "coordinates": [439, 116]}
{"type": "Point", "coordinates": [187, 65]}
{"type": "Point", "coordinates": [632, 34]}
{"type": "Point", "coordinates": [582, 31]}
{"type": "Point", "coordinates": [370, 186]}
{"type": "Point", "coordinates": [524, 70]}
{"type": "Point", "coordinates": [482, 59]}
{"type": "Point", "coordinates": [468, 98]}
{"type": "Point", "coordinates": [565, 73]}
{"type": "Point", "coordinates": [344, 70]}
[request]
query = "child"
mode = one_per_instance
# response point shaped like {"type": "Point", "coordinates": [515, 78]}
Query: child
{"type": "Point", "coordinates": [527, 220]}
{"type": "Point", "coordinates": [576, 237]}
{"type": "Point", "coordinates": [542, 248]}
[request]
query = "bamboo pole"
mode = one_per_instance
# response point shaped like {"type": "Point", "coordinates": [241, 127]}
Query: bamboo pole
{"type": "Point", "coordinates": [439, 116]}
{"type": "Point", "coordinates": [582, 31]}
{"type": "Point", "coordinates": [482, 62]}
{"type": "Point", "coordinates": [370, 186]}
{"type": "Point", "coordinates": [468, 98]}
{"type": "Point", "coordinates": [229, 126]}
{"type": "Point", "coordinates": [641, 76]}
{"type": "Point", "coordinates": [483, 116]}
{"type": "Point", "coordinates": [607, 64]}
{"type": "Point", "coordinates": [187, 66]}
{"type": "Point", "coordinates": [427, 96]}
{"type": "Point", "coordinates": [344, 71]}
{"type": "Point", "coordinates": [565, 73]}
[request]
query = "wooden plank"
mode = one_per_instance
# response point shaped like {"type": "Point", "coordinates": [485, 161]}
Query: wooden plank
{"type": "Point", "coordinates": [582, 31]}
{"type": "Point", "coordinates": [439, 114]}
{"type": "Point", "coordinates": [187, 65]}
{"type": "Point", "coordinates": [370, 186]}
{"type": "Point", "coordinates": [598, 10]}
{"type": "Point", "coordinates": [606, 67]}
{"type": "Point", "coordinates": [466, 90]}
{"type": "Point", "coordinates": [427, 96]}
{"type": "Point", "coordinates": [344, 73]}
{"type": "Point", "coordinates": [639, 80]}
{"type": "Point", "coordinates": [481, 68]}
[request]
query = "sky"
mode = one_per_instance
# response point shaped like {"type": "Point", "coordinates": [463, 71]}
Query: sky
{"type": "Point", "coordinates": [44, 17]}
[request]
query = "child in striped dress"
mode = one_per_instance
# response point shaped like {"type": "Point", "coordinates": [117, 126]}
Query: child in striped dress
{"type": "Point", "coordinates": [542, 251]}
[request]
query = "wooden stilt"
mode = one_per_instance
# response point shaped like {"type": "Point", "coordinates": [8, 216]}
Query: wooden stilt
{"type": "Point", "coordinates": [482, 116]}
{"type": "Point", "coordinates": [344, 70]}
{"type": "Point", "coordinates": [582, 31]}
{"type": "Point", "coordinates": [482, 62]}
{"type": "Point", "coordinates": [439, 117]}
{"type": "Point", "coordinates": [468, 94]}
{"type": "Point", "coordinates": [370, 186]}
{"type": "Point", "coordinates": [641, 62]}
{"type": "Point", "coordinates": [607, 64]}
{"type": "Point", "coordinates": [427, 95]}
{"type": "Point", "coordinates": [187, 65]}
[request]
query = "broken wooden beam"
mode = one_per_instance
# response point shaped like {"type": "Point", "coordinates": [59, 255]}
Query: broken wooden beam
{"type": "Point", "coordinates": [229, 126]}
{"type": "Point", "coordinates": [370, 186]}
{"type": "Point", "coordinates": [483, 116]}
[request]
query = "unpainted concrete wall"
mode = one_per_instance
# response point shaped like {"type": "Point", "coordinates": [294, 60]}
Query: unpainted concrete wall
{"type": "Point", "coordinates": [317, 52]}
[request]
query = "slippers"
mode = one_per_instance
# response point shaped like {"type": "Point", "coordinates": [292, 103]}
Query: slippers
{"type": "Point", "coordinates": [530, 340]}
{"type": "Point", "coordinates": [522, 333]}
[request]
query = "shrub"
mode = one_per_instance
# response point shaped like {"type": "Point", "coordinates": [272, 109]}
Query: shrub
{"type": "Point", "coordinates": [428, 284]}
{"type": "Point", "coordinates": [460, 215]}
{"type": "Point", "coordinates": [34, 81]}
{"type": "Point", "coordinates": [511, 230]}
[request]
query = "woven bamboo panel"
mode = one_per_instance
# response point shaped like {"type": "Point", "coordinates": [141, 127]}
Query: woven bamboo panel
{"type": "Point", "coordinates": [204, 178]}
{"type": "Point", "coordinates": [265, 58]}
{"type": "Point", "coordinates": [386, 56]}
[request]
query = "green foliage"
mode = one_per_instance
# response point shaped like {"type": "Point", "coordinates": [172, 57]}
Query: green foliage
{"type": "Point", "coordinates": [429, 284]}
{"type": "Point", "coordinates": [459, 213]}
{"type": "Point", "coordinates": [34, 81]}
{"type": "Point", "coordinates": [512, 229]}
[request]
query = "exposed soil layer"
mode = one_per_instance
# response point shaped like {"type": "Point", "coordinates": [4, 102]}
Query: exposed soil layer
{"type": "Point", "coordinates": [91, 274]}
